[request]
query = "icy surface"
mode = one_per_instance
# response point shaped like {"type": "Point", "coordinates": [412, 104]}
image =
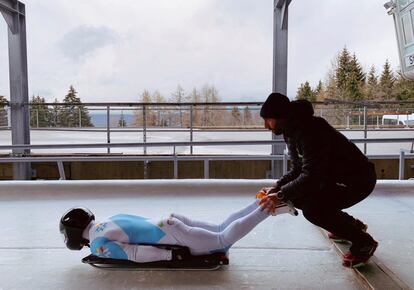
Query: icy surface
{"type": "Point", "coordinates": [283, 252]}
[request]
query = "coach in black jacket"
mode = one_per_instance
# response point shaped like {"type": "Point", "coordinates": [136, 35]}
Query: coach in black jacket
{"type": "Point", "coordinates": [329, 173]}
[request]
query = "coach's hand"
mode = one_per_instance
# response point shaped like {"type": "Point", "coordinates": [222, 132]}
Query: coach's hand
{"type": "Point", "coordinates": [269, 190]}
{"type": "Point", "coordinates": [269, 203]}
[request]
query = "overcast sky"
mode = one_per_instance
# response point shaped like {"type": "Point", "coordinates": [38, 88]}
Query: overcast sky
{"type": "Point", "coordinates": [111, 50]}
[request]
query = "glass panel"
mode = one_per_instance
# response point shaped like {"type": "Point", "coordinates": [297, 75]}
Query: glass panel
{"type": "Point", "coordinates": [407, 28]}
{"type": "Point", "coordinates": [404, 3]}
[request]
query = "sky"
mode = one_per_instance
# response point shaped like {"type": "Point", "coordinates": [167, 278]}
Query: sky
{"type": "Point", "coordinates": [111, 50]}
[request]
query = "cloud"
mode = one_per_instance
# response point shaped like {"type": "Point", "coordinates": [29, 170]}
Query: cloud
{"type": "Point", "coordinates": [84, 40]}
{"type": "Point", "coordinates": [112, 50]}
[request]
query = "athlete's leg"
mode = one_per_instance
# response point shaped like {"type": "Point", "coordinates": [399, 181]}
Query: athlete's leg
{"type": "Point", "coordinates": [241, 227]}
{"type": "Point", "coordinates": [217, 227]}
{"type": "Point", "coordinates": [201, 241]}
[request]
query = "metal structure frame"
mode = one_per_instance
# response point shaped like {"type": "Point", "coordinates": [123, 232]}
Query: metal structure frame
{"type": "Point", "coordinates": [14, 13]}
{"type": "Point", "coordinates": [280, 65]}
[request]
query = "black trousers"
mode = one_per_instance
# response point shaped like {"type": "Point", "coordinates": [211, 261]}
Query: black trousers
{"type": "Point", "coordinates": [325, 207]}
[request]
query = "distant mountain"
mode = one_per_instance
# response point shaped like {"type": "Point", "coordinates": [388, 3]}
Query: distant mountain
{"type": "Point", "coordinates": [99, 119]}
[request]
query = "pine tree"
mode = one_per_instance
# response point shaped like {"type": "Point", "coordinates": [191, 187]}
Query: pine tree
{"type": "Point", "coordinates": [372, 77]}
{"type": "Point", "coordinates": [305, 92]}
{"type": "Point", "coordinates": [216, 114]}
{"type": "Point", "coordinates": [122, 122]}
{"type": "Point", "coordinates": [235, 113]}
{"type": "Point", "coordinates": [247, 116]}
{"type": "Point", "coordinates": [40, 115]}
{"type": "Point", "coordinates": [371, 91]}
{"type": "Point", "coordinates": [74, 114]}
{"type": "Point", "coordinates": [56, 114]}
{"type": "Point", "coordinates": [354, 88]}
{"type": "Point", "coordinates": [159, 111]}
{"type": "Point", "coordinates": [356, 81]}
{"type": "Point", "coordinates": [342, 71]}
{"type": "Point", "coordinates": [195, 98]}
{"type": "Point", "coordinates": [387, 82]}
{"type": "Point", "coordinates": [3, 112]}
{"type": "Point", "coordinates": [355, 68]}
{"type": "Point", "coordinates": [179, 97]}
{"type": "Point", "coordinates": [403, 89]}
{"type": "Point", "coordinates": [331, 91]}
{"type": "Point", "coordinates": [206, 98]}
{"type": "Point", "coordinates": [319, 92]}
{"type": "Point", "coordinates": [145, 97]}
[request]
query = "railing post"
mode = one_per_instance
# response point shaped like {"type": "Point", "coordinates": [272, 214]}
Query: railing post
{"type": "Point", "coordinates": [206, 169]}
{"type": "Point", "coordinates": [61, 170]}
{"type": "Point", "coordinates": [9, 117]}
{"type": "Point", "coordinates": [144, 127]}
{"type": "Point", "coordinates": [402, 165]}
{"type": "Point", "coordinates": [80, 117]}
{"type": "Point", "coordinates": [365, 129]}
{"type": "Point", "coordinates": [108, 126]}
{"type": "Point", "coordinates": [347, 122]}
{"type": "Point", "coordinates": [175, 166]}
{"type": "Point", "coordinates": [191, 128]}
{"type": "Point", "coordinates": [37, 118]}
{"type": "Point", "coordinates": [146, 169]}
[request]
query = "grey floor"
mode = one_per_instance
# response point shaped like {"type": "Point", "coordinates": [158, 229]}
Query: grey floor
{"type": "Point", "coordinates": [283, 252]}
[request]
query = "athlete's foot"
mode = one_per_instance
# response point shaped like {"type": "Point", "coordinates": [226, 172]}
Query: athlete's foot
{"type": "Point", "coordinates": [359, 254]}
{"type": "Point", "coordinates": [170, 220]}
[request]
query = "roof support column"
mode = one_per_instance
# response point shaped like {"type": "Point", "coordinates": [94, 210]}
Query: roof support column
{"type": "Point", "coordinates": [13, 12]}
{"type": "Point", "coordinates": [280, 58]}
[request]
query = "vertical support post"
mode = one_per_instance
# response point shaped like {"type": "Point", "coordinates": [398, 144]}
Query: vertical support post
{"type": "Point", "coordinates": [20, 118]}
{"type": "Point", "coordinates": [108, 127]}
{"type": "Point", "coordinates": [347, 122]}
{"type": "Point", "coordinates": [280, 57]}
{"type": "Point", "coordinates": [80, 117]}
{"type": "Point", "coordinates": [144, 127]}
{"type": "Point", "coordinates": [402, 165]}
{"type": "Point", "coordinates": [191, 129]}
{"type": "Point", "coordinates": [37, 118]}
{"type": "Point", "coordinates": [365, 129]}
{"type": "Point", "coordinates": [175, 166]}
{"type": "Point", "coordinates": [61, 170]}
{"type": "Point", "coordinates": [206, 169]}
{"type": "Point", "coordinates": [9, 117]}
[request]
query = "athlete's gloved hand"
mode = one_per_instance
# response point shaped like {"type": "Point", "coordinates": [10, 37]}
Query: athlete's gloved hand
{"type": "Point", "coordinates": [180, 254]}
{"type": "Point", "coordinates": [269, 190]}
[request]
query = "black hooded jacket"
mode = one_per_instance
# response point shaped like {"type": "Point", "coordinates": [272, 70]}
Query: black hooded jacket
{"type": "Point", "coordinates": [320, 155]}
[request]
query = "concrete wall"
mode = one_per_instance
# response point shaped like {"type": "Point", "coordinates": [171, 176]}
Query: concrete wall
{"type": "Point", "coordinates": [232, 169]}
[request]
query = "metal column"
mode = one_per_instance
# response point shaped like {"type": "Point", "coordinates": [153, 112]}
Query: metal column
{"type": "Point", "coordinates": [280, 56]}
{"type": "Point", "coordinates": [191, 128]}
{"type": "Point", "coordinates": [108, 128]}
{"type": "Point", "coordinates": [13, 12]}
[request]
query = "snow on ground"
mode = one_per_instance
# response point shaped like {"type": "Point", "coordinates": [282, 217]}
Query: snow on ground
{"type": "Point", "coordinates": [83, 137]}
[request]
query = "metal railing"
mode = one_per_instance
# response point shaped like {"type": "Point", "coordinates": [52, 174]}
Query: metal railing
{"type": "Point", "coordinates": [175, 158]}
{"type": "Point", "coordinates": [349, 114]}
